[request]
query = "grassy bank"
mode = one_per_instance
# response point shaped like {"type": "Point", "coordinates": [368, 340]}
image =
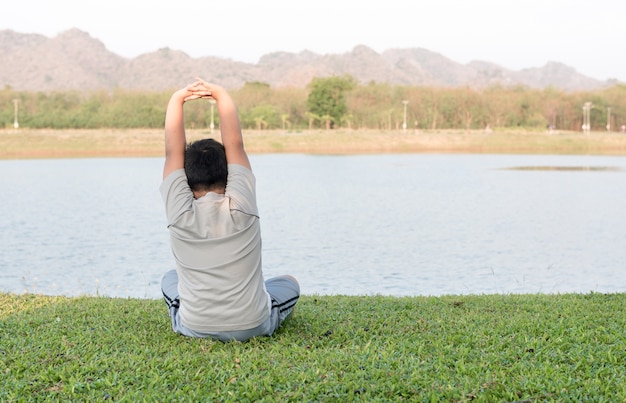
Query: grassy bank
{"type": "Point", "coordinates": [524, 348]}
{"type": "Point", "coordinates": [136, 143]}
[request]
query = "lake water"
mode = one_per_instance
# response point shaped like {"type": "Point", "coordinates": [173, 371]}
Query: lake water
{"type": "Point", "coordinates": [414, 224]}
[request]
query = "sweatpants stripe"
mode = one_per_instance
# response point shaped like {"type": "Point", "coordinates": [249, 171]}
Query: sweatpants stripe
{"type": "Point", "coordinates": [275, 303]}
{"type": "Point", "coordinates": [171, 302]}
{"type": "Point", "coordinates": [285, 305]}
{"type": "Point", "coordinates": [286, 308]}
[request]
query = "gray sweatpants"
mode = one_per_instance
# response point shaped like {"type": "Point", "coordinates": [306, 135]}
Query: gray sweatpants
{"type": "Point", "coordinates": [284, 293]}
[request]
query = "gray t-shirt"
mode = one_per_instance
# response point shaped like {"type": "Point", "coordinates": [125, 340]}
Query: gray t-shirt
{"type": "Point", "coordinates": [216, 242]}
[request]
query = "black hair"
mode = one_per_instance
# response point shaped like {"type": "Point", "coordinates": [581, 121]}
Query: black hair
{"type": "Point", "coordinates": [205, 165]}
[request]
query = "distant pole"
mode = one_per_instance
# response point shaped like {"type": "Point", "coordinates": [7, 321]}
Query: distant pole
{"type": "Point", "coordinates": [16, 125]}
{"type": "Point", "coordinates": [587, 117]}
{"type": "Point", "coordinates": [608, 118]}
{"type": "Point", "coordinates": [405, 103]}
{"type": "Point", "coordinates": [212, 102]}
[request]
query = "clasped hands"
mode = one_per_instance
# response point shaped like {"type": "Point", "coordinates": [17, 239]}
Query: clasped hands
{"type": "Point", "coordinates": [199, 89]}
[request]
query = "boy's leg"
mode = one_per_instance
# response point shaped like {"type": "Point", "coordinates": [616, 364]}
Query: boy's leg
{"type": "Point", "coordinates": [169, 288]}
{"type": "Point", "coordinates": [284, 291]}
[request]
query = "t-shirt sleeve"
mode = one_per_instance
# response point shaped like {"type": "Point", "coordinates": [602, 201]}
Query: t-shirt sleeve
{"type": "Point", "coordinates": [241, 189]}
{"type": "Point", "coordinates": [177, 195]}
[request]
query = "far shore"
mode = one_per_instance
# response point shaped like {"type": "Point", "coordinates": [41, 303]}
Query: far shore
{"type": "Point", "coordinates": [30, 144]}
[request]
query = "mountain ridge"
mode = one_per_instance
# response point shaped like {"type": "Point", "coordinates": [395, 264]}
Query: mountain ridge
{"type": "Point", "coordinates": [74, 60]}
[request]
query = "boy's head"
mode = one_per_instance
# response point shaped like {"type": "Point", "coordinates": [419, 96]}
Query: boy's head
{"type": "Point", "coordinates": [205, 165]}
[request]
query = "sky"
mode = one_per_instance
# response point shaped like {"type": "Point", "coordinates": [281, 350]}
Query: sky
{"type": "Point", "coordinates": [589, 36]}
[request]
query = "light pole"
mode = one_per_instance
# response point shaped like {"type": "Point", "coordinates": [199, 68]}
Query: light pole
{"type": "Point", "coordinates": [16, 125]}
{"type": "Point", "coordinates": [212, 125]}
{"type": "Point", "coordinates": [587, 117]}
{"type": "Point", "coordinates": [405, 103]}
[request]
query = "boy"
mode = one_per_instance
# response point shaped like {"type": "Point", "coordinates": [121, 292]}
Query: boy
{"type": "Point", "coordinates": [217, 289]}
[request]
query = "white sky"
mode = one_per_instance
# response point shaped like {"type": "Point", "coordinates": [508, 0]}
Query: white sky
{"type": "Point", "coordinates": [589, 36]}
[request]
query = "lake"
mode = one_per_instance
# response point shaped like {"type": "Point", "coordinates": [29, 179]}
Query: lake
{"type": "Point", "coordinates": [399, 224]}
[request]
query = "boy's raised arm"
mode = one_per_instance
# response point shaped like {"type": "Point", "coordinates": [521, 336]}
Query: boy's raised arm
{"type": "Point", "coordinates": [175, 139]}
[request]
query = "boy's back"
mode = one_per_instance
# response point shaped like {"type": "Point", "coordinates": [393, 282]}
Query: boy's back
{"type": "Point", "coordinates": [216, 241]}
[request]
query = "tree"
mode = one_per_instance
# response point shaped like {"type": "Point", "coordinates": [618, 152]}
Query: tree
{"type": "Point", "coordinates": [285, 121]}
{"type": "Point", "coordinates": [329, 121]}
{"type": "Point", "coordinates": [261, 117]}
{"type": "Point", "coordinates": [347, 120]}
{"type": "Point", "coordinates": [312, 117]}
{"type": "Point", "coordinates": [327, 97]}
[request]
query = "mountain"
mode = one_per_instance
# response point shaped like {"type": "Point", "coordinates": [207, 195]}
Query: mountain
{"type": "Point", "coordinates": [75, 60]}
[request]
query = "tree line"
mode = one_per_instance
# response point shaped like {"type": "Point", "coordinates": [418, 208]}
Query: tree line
{"type": "Point", "coordinates": [327, 103]}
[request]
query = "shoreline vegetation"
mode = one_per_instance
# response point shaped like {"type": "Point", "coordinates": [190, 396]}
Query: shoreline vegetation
{"type": "Point", "coordinates": [27, 144]}
{"type": "Point", "coordinates": [479, 348]}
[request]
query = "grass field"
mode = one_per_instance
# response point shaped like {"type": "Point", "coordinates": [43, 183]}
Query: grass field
{"type": "Point", "coordinates": [488, 348]}
{"type": "Point", "coordinates": [149, 142]}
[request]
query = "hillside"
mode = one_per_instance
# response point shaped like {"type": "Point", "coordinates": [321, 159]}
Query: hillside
{"type": "Point", "coordinates": [75, 60]}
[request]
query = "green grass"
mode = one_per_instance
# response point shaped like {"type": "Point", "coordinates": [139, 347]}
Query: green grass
{"type": "Point", "coordinates": [503, 348]}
